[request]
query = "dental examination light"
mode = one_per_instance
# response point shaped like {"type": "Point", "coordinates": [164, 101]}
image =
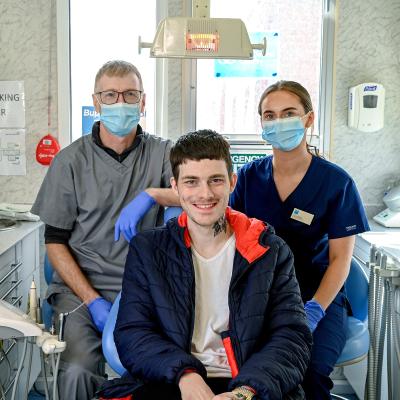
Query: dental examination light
{"type": "Point", "coordinates": [202, 37]}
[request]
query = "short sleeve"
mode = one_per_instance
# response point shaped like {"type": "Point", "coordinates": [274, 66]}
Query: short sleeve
{"type": "Point", "coordinates": [346, 213]}
{"type": "Point", "coordinates": [167, 171]}
{"type": "Point", "coordinates": [56, 201]}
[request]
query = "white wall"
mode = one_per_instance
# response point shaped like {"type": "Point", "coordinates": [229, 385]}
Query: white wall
{"type": "Point", "coordinates": [368, 50]}
{"type": "Point", "coordinates": [364, 27]}
{"type": "Point", "coordinates": [24, 44]}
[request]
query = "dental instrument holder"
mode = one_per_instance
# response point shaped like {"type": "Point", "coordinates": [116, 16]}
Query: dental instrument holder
{"type": "Point", "coordinates": [384, 277]}
{"type": "Point", "coordinates": [61, 320]}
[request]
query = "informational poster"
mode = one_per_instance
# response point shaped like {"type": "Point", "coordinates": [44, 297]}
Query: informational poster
{"type": "Point", "coordinates": [89, 116]}
{"type": "Point", "coordinates": [239, 159]}
{"type": "Point", "coordinates": [260, 67]}
{"type": "Point", "coordinates": [12, 152]}
{"type": "Point", "coordinates": [12, 104]}
{"type": "Point", "coordinates": [12, 132]}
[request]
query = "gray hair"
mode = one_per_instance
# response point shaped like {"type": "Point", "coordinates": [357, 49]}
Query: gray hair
{"type": "Point", "coordinates": [117, 68]}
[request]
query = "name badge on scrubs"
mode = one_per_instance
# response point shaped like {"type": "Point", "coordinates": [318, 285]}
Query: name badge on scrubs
{"type": "Point", "coordinates": [302, 216]}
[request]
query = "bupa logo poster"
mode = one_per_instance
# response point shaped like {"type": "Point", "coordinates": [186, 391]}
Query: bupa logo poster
{"type": "Point", "coordinates": [89, 117]}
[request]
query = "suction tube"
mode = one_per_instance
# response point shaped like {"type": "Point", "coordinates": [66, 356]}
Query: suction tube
{"type": "Point", "coordinates": [380, 328]}
{"type": "Point", "coordinates": [396, 314]}
{"type": "Point", "coordinates": [389, 299]}
{"type": "Point", "coordinates": [370, 384]}
{"type": "Point", "coordinates": [16, 379]}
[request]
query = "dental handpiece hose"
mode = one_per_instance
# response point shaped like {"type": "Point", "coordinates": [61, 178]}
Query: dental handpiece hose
{"type": "Point", "coordinates": [61, 320]}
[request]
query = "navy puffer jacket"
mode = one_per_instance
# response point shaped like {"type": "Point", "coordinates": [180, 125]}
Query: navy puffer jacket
{"type": "Point", "coordinates": [269, 336]}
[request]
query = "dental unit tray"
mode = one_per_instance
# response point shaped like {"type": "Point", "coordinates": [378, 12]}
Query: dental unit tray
{"type": "Point", "coordinates": [14, 323]}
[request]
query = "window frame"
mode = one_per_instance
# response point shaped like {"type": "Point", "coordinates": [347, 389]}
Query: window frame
{"type": "Point", "coordinates": [64, 72]}
{"type": "Point", "coordinates": [64, 75]}
{"type": "Point", "coordinates": [189, 85]}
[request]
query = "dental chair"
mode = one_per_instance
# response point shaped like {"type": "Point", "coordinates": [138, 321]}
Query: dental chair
{"type": "Point", "coordinates": [109, 349]}
{"type": "Point", "coordinates": [357, 342]}
{"type": "Point", "coordinates": [355, 349]}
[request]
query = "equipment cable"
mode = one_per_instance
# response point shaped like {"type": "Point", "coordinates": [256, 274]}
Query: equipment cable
{"type": "Point", "coordinates": [19, 369]}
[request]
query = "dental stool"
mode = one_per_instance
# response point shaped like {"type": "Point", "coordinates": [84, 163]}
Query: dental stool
{"type": "Point", "coordinates": [357, 342]}
{"type": "Point", "coordinates": [109, 349]}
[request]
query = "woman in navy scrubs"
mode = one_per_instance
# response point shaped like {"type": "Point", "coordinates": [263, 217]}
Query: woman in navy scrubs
{"type": "Point", "coordinates": [314, 206]}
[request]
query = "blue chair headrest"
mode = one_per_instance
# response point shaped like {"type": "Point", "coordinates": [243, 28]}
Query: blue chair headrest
{"type": "Point", "coordinates": [171, 212]}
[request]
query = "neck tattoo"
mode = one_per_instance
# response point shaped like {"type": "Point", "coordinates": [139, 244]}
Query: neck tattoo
{"type": "Point", "coordinates": [220, 225]}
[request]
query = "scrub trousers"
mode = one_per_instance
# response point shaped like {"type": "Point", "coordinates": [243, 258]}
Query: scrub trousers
{"type": "Point", "coordinates": [328, 341]}
{"type": "Point", "coordinates": [81, 371]}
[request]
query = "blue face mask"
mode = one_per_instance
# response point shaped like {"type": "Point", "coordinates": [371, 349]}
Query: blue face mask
{"type": "Point", "coordinates": [283, 134]}
{"type": "Point", "coordinates": [120, 118]}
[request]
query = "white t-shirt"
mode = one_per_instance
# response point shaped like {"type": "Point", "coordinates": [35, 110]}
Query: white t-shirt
{"type": "Point", "coordinates": [212, 277]}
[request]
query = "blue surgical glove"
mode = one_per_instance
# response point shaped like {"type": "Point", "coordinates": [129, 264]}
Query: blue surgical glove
{"type": "Point", "coordinates": [314, 313]}
{"type": "Point", "coordinates": [99, 309]}
{"type": "Point", "coordinates": [131, 215]}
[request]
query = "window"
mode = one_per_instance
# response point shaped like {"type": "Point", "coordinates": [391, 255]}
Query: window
{"type": "Point", "coordinates": [228, 91]}
{"type": "Point", "coordinates": [100, 31]}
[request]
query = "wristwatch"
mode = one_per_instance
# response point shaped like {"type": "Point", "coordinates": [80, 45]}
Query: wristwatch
{"type": "Point", "coordinates": [243, 393]}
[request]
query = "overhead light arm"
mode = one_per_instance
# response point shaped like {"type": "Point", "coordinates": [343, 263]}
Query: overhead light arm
{"type": "Point", "coordinates": [201, 8]}
{"type": "Point", "coordinates": [143, 45]}
{"type": "Point", "coordinates": [261, 46]}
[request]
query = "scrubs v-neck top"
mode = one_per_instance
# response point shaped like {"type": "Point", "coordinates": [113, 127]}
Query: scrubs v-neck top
{"type": "Point", "coordinates": [85, 190]}
{"type": "Point", "coordinates": [329, 196]}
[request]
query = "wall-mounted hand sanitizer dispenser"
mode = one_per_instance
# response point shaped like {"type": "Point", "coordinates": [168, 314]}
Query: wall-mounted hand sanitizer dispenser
{"type": "Point", "coordinates": [366, 107]}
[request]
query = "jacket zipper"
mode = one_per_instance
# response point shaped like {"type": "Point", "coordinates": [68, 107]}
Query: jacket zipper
{"type": "Point", "coordinates": [232, 328]}
{"type": "Point", "coordinates": [193, 294]}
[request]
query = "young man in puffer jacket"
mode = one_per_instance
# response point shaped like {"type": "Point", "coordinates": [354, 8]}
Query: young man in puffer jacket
{"type": "Point", "coordinates": [210, 306]}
